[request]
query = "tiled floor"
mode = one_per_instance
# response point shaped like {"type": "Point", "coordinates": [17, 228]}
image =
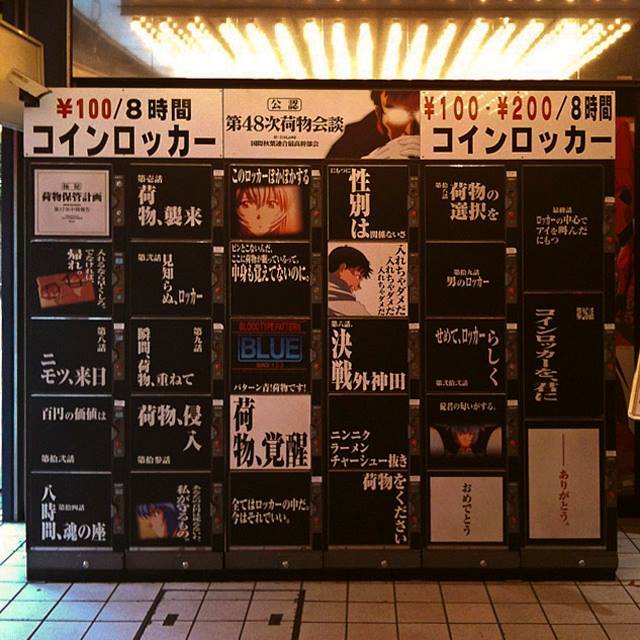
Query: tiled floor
{"type": "Point", "coordinates": [414, 610]}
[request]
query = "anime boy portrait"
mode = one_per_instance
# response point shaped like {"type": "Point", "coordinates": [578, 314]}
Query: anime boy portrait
{"type": "Point", "coordinates": [267, 211]}
{"type": "Point", "coordinates": [157, 521]}
{"type": "Point", "coordinates": [347, 268]}
{"type": "Point", "coordinates": [391, 131]}
{"type": "Point", "coordinates": [466, 440]}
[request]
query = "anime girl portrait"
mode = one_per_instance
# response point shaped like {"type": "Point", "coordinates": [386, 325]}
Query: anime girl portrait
{"type": "Point", "coordinates": [268, 211]}
{"type": "Point", "coordinates": [157, 521]}
{"type": "Point", "coordinates": [462, 440]}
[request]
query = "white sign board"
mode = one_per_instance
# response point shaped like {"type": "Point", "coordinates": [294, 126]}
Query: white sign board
{"type": "Point", "coordinates": [71, 202]}
{"type": "Point", "coordinates": [564, 483]}
{"type": "Point", "coordinates": [517, 125]}
{"type": "Point", "coordinates": [125, 123]}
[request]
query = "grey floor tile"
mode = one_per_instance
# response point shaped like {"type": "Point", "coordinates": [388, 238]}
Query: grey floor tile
{"type": "Point", "coordinates": [265, 609]}
{"type": "Point", "coordinates": [262, 631]}
{"type": "Point", "coordinates": [423, 632]}
{"type": "Point", "coordinates": [371, 612]}
{"type": "Point", "coordinates": [558, 594]}
{"type": "Point", "coordinates": [279, 585]}
{"type": "Point", "coordinates": [622, 631]}
{"type": "Point", "coordinates": [371, 592]}
{"type": "Point", "coordinates": [579, 632]}
{"type": "Point", "coordinates": [469, 612]}
{"type": "Point", "coordinates": [228, 595]}
{"type": "Point", "coordinates": [617, 614]}
{"type": "Point", "coordinates": [633, 591]}
{"type": "Point", "coordinates": [133, 591]}
{"type": "Point", "coordinates": [223, 610]}
{"type": "Point", "coordinates": [185, 610]}
{"type": "Point", "coordinates": [232, 586]}
{"type": "Point", "coordinates": [610, 594]}
{"type": "Point", "coordinates": [325, 591]}
{"type": "Point", "coordinates": [570, 613]}
{"type": "Point", "coordinates": [124, 611]}
{"type": "Point", "coordinates": [8, 590]}
{"type": "Point", "coordinates": [13, 574]}
{"type": "Point", "coordinates": [158, 631]}
{"type": "Point", "coordinates": [629, 560]}
{"type": "Point", "coordinates": [324, 612]}
{"type": "Point", "coordinates": [432, 612]}
{"type": "Point", "coordinates": [215, 630]}
{"type": "Point", "coordinates": [75, 611]}
{"type": "Point", "coordinates": [186, 586]}
{"type": "Point", "coordinates": [418, 592]}
{"type": "Point", "coordinates": [514, 612]}
{"type": "Point", "coordinates": [17, 630]}
{"type": "Point", "coordinates": [90, 591]}
{"type": "Point", "coordinates": [621, 574]}
{"type": "Point", "coordinates": [112, 631]}
{"type": "Point", "coordinates": [26, 610]}
{"type": "Point", "coordinates": [368, 631]}
{"type": "Point", "coordinates": [43, 591]}
{"type": "Point", "coordinates": [289, 596]}
{"type": "Point", "coordinates": [183, 595]}
{"type": "Point", "coordinates": [527, 632]}
{"type": "Point", "coordinates": [475, 632]}
{"type": "Point", "coordinates": [17, 558]}
{"type": "Point", "coordinates": [322, 631]}
{"type": "Point", "coordinates": [58, 630]}
{"type": "Point", "coordinates": [463, 592]}
{"type": "Point", "coordinates": [504, 593]}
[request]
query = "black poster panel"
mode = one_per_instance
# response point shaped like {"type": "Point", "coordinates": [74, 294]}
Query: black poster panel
{"type": "Point", "coordinates": [269, 509]}
{"type": "Point", "coordinates": [368, 202]}
{"type": "Point", "coordinates": [170, 432]}
{"type": "Point", "coordinates": [270, 356]}
{"type": "Point", "coordinates": [169, 201]}
{"type": "Point", "coordinates": [562, 227]}
{"type": "Point", "coordinates": [368, 356]}
{"type": "Point", "coordinates": [270, 278]}
{"type": "Point", "coordinates": [465, 356]}
{"type": "Point", "coordinates": [464, 202]}
{"type": "Point", "coordinates": [563, 355]}
{"type": "Point", "coordinates": [170, 510]}
{"type": "Point", "coordinates": [466, 430]}
{"type": "Point", "coordinates": [170, 279]}
{"type": "Point", "coordinates": [171, 355]}
{"type": "Point", "coordinates": [368, 508]}
{"type": "Point", "coordinates": [70, 433]}
{"type": "Point", "coordinates": [70, 279]}
{"type": "Point", "coordinates": [69, 510]}
{"type": "Point", "coordinates": [269, 201]}
{"type": "Point", "coordinates": [368, 432]}
{"type": "Point", "coordinates": [465, 279]}
{"type": "Point", "coordinates": [70, 356]}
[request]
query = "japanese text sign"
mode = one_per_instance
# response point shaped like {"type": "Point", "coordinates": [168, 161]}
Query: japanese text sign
{"type": "Point", "coordinates": [127, 123]}
{"type": "Point", "coordinates": [502, 125]}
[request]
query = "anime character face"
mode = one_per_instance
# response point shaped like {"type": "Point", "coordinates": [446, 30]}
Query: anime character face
{"type": "Point", "coordinates": [351, 276]}
{"type": "Point", "coordinates": [399, 116]}
{"type": "Point", "coordinates": [157, 521]}
{"type": "Point", "coordinates": [261, 210]}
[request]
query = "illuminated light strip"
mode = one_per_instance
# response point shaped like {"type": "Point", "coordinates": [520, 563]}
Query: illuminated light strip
{"type": "Point", "coordinates": [341, 57]}
{"type": "Point", "coordinates": [438, 55]}
{"type": "Point", "coordinates": [413, 60]}
{"type": "Point", "coordinates": [487, 64]}
{"type": "Point", "coordinates": [264, 53]}
{"type": "Point", "coordinates": [238, 45]}
{"type": "Point", "coordinates": [518, 47]}
{"type": "Point", "coordinates": [392, 53]}
{"type": "Point", "coordinates": [317, 54]}
{"type": "Point", "coordinates": [289, 52]}
{"type": "Point", "coordinates": [466, 54]}
{"type": "Point", "coordinates": [190, 49]}
{"type": "Point", "coordinates": [364, 52]}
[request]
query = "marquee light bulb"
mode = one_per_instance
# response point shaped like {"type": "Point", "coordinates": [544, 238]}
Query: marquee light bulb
{"type": "Point", "coordinates": [413, 60]}
{"type": "Point", "coordinates": [439, 53]}
{"type": "Point", "coordinates": [315, 44]}
{"type": "Point", "coordinates": [392, 52]}
{"type": "Point", "coordinates": [364, 52]}
{"type": "Point", "coordinates": [341, 57]}
{"type": "Point", "coordinates": [289, 51]}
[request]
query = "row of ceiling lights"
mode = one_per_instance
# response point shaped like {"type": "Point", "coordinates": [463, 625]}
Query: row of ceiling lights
{"type": "Point", "coordinates": [488, 49]}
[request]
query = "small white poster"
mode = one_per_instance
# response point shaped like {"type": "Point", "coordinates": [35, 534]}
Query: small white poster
{"type": "Point", "coordinates": [270, 432]}
{"type": "Point", "coordinates": [466, 509]}
{"type": "Point", "coordinates": [71, 202]}
{"type": "Point", "coordinates": [517, 125]}
{"type": "Point", "coordinates": [564, 483]}
{"type": "Point", "coordinates": [368, 279]}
